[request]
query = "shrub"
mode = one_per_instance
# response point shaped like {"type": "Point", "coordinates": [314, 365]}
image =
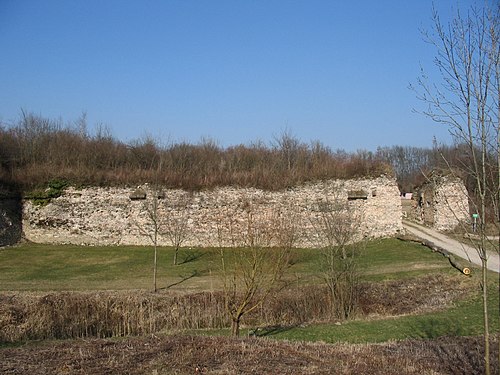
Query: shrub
{"type": "Point", "coordinates": [42, 197]}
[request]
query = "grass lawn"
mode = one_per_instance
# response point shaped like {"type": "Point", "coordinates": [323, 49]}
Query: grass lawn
{"type": "Point", "coordinates": [42, 268]}
{"type": "Point", "coordinates": [34, 267]}
{"type": "Point", "coordinates": [464, 319]}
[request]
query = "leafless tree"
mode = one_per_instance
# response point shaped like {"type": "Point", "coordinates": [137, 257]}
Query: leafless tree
{"type": "Point", "coordinates": [176, 222]}
{"type": "Point", "coordinates": [466, 98]}
{"type": "Point", "coordinates": [289, 148]}
{"type": "Point", "coordinates": [408, 163]}
{"type": "Point", "coordinates": [254, 266]}
{"type": "Point", "coordinates": [338, 228]}
{"type": "Point", "coordinates": [152, 227]}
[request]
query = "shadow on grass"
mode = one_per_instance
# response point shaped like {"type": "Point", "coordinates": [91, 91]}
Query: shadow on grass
{"type": "Point", "coordinates": [269, 330]}
{"type": "Point", "coordinates": [191, 256]}
{"type": "Point", "coordinates": [184, 278]}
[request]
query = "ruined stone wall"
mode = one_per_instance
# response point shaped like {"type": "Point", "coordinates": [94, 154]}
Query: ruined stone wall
{"type": "Point", "coordinates": [108, 216]}
{"type": "Point", "coordinates": [443, 203]}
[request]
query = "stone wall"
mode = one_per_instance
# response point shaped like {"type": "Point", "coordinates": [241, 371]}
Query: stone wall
{"type": "Point", "coordinates": [108, 216]}
{"type": "Point", "coordinates": [442, 202]}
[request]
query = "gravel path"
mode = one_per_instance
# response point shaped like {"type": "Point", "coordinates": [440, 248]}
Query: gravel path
{"type": "Point", "coordinates": [453, 246]}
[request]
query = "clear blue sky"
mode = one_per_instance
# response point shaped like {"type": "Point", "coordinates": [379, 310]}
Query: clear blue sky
{"type": "Point", "coordinates": [235, 71]}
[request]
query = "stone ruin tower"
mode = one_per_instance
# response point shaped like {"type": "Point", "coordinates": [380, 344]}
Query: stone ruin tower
{"type": "Point", "coordinates": [442, 202]}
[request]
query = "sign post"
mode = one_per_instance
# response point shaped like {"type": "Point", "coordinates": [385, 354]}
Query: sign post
{"type": "Point", "coordinates": [474, 223]}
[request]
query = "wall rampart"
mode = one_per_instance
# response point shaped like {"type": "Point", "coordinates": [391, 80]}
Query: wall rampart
{"type": "Point", "coordinates": [443, 202]}
{"type": "Point", "coordinates": [117, 216]}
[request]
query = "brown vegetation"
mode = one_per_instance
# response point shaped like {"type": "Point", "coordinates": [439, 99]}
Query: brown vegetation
{"type": "Point", "coordinates": [116, 314]}
{"type": "Point", "coordinates": [338, 228]}
{"type": "Point", "coordinates": [254, 267]}
{"type": "Point", "coordinates": [392, 298]}
{"type": "Point", "coordinates": [220, 355]}
{"type": "Point", "coordinates": [36, 150]}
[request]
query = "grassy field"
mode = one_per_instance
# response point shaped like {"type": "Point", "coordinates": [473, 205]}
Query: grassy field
{"type": "Point", "coordinates": [419, 333]}
{"type": "Point", "coordinates": [463, 319]}
{"type": "Point", "coordinates": [45, 268]}
{"type": "Point", "coordinates": [34, 267]}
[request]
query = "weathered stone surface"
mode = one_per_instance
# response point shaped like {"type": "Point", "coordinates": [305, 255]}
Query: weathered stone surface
{"type": "Point", "coordinates": [108, 216]}
{"type": "Point", "coordinates": [442, 202]}
{"type": "Point", "coordinates": [138, 194]}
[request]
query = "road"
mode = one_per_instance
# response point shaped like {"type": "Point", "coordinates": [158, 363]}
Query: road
{"type": "Point", "coordinates": [453, 246]}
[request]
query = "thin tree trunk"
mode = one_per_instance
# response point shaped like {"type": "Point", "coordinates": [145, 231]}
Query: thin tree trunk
{"type": "Point", "coordinates": [175, 255]}
{"type": "Point", "coordinates": [497, 78]}
{"type": "Point", "coordinates": [154, 269]}
{"type": "Point", "coordinates": [485, 317]}
{"type": "Point", "coordinates": [235, 327]}
{"type": "Point", "coordinates": [468, 60]}
{"type": "Point", "coordinates": [481, 184]}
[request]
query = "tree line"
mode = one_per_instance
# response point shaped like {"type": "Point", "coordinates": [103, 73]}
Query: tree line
{"type": "Point", "coordinates": [35, 150]}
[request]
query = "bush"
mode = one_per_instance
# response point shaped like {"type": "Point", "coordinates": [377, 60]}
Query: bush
{"type": "Point", "coordinates": [42, 197]}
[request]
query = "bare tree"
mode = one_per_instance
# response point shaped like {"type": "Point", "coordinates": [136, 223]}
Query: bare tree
{"type": "Point", "coordinates": [176, 223]}
{"type": "Point", "coordinates": [408, 163]}
{"type": "Point", "coordinates": [466, 99]}
{"type": "Point", "coordinates": [338, 228]}
{"type": "Point", "coordinates": [253, 268]}
{"type": "Point", "coordinates": [289, 148]}
{"type": "Point", "coordinates": [151, 228]}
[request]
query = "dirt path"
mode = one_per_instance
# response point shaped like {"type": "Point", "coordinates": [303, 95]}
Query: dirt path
{"type": "Point", "coordinates": [449, 244]}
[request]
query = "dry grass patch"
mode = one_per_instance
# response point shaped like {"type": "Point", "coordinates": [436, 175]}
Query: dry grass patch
{"type": "Point", "coordinates": [411, 296]}
{"type": "Point", "coordinates": [61, 315]}
{"type": "Point", "coordinates": [219, 355]}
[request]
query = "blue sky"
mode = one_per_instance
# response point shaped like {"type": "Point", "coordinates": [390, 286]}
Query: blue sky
{"type": "Point", "coordinates": [235, 71]}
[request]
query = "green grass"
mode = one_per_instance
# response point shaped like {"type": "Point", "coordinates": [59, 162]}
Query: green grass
{"type": "Point", "coordinates": [49, 267]}
{"type": "Point", "coordinates": [42, 268]}
{"type": "Point", "coordinates": [465, 318]}
{"type": "Point", "coordinates": [393, 259]}
{"type": "Point", "coordinates": [37, 267]}
{"type": "Point", "coordinates": [383, 259]}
